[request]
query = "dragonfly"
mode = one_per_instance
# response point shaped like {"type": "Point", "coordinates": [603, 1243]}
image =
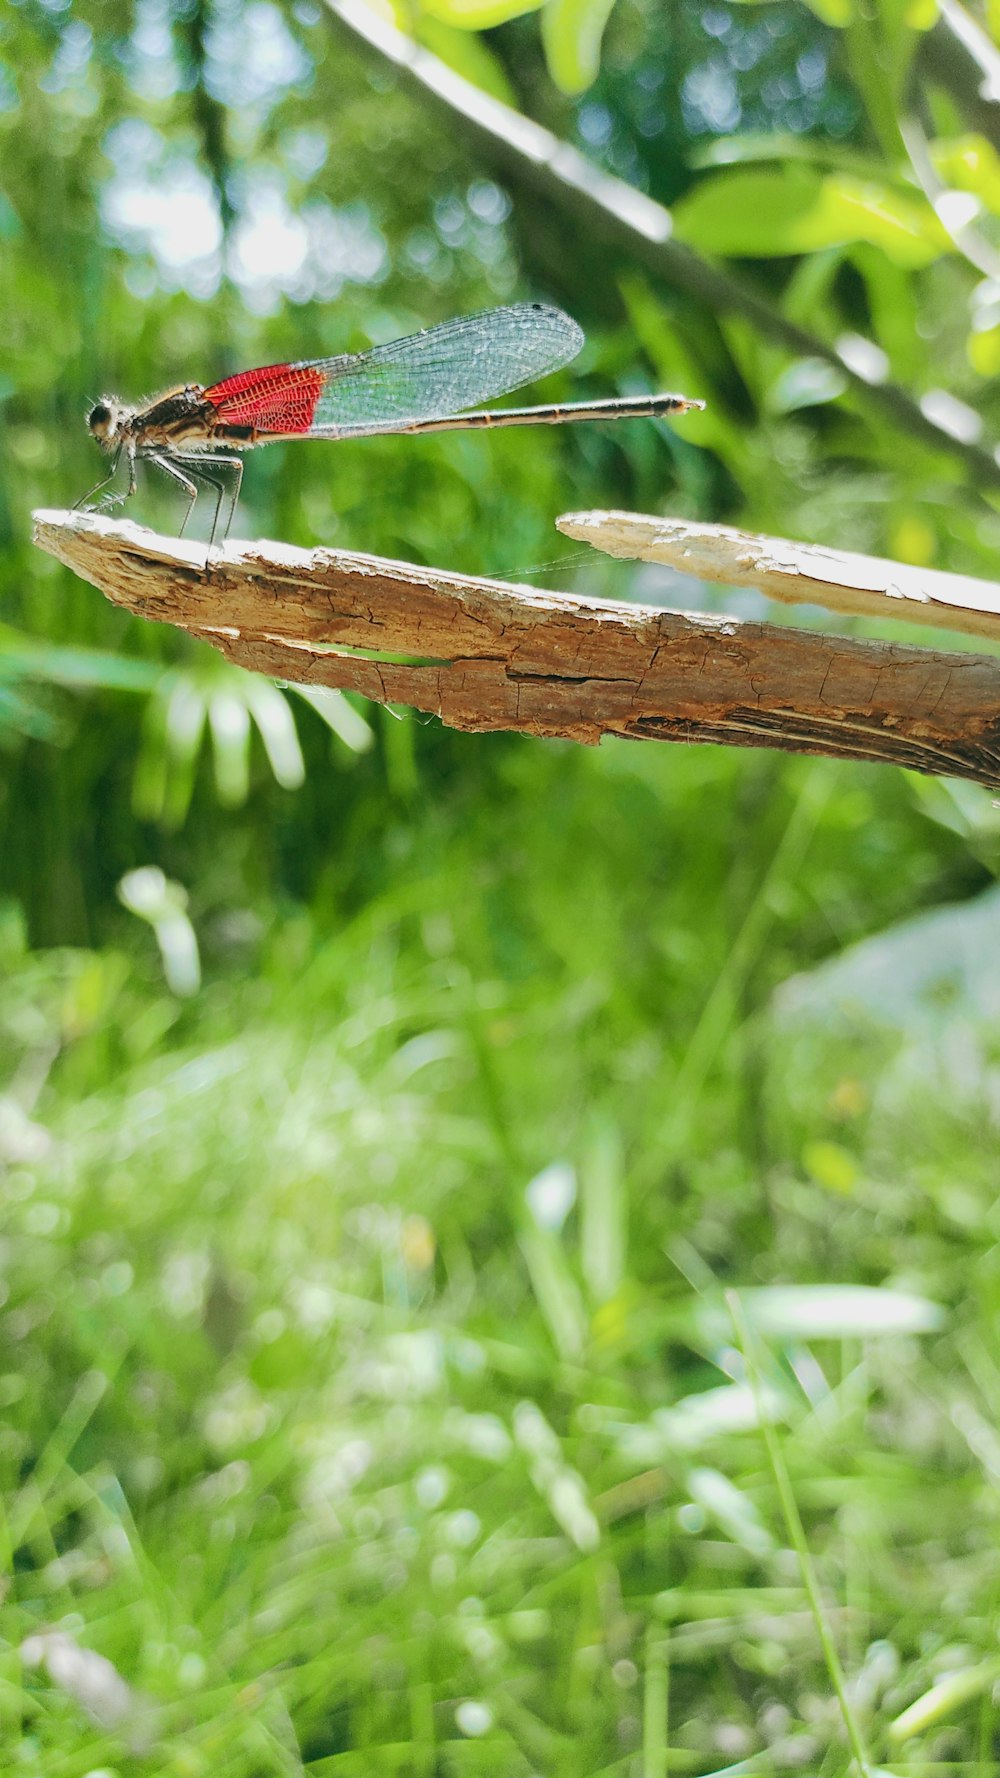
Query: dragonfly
{"type": "Point", "coordinates": [426, 382]}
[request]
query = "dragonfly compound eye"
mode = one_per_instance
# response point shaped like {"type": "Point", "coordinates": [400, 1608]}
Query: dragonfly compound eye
{"type": "Point", "coordinates": [100, 419]}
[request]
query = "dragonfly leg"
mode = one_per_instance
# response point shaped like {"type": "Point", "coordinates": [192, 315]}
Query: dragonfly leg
{"type": "Point", "coordinates": [105, 479]}
{"type": "Point", "coordinates": [199, 467]}
{"type": "Point", "coordinates": [236, 465]}
{"type": "Point", "coordinates": [110, 501]}
{"type": "Point", "coordinates": [170, 468]}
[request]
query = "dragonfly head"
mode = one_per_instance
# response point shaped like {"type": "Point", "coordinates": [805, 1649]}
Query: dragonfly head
{"type": "Point", "coordinates": [105, 421]}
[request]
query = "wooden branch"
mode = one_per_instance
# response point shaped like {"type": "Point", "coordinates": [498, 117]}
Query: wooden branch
{"type": "Point", "coordinates": [796, 573]}
{"type": "Point", "coordinates": [958, 54]}
{"type": "Point", "coordinates": [616, 213]}
{"type": "Point", "coordinates": [485, 654]}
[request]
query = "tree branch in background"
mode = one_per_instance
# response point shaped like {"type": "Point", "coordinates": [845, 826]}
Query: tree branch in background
{"type": "Point", "coordinates": [617, 213]}
{"type": "Point", "coordinates": [959, 55]}
{"type": "Point", "coordinates": [485, 654]}
{"type": "Point", "coordinates": [209, 115]}
{"type": "Point", "coordinates": [966, 239]}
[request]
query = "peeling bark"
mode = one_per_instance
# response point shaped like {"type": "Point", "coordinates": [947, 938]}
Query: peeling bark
{"type": "Point", "coordinates": [487, 654]}
{"type": "Point", "coordinates": [796, 573]}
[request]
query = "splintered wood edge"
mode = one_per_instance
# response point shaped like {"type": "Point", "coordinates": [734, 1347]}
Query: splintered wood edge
{"type": "Point", "coordinates": [796, 573]}
{"type": "Point", "coordinates": [488, 654]}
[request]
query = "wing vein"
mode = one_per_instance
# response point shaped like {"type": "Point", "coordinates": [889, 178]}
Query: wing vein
{"type": "Point", "coordinates": [426, 376]}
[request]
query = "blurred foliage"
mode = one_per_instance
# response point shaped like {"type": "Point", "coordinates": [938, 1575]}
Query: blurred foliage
{"type": "Point", "coordinates": [227, 183]}
{"type": "Point", "coordinates": [372, 1401]}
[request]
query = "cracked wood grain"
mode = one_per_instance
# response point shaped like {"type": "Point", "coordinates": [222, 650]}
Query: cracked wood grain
{"type": "Point", "coordinates": [488, 654]}
{"type": "Point", "coordinates": [796, 573]}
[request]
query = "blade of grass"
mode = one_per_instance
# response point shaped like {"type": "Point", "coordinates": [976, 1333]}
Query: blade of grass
{"type": "Point", "coordinates": [719, 1011]}
{"type": "Point", "coordinates": [83, 1403]}
{"type": "Point", "coordinates": [796, 1532]}
{"type": "Point", "coordinates": [656, 1706]}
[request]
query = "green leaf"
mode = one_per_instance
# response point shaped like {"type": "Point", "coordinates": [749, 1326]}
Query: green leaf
{"type": "Point", "coordinates": [551, 1195]}
{"type": "Point", "coordinates": [339, 714]}
{"type": "Point", "coordinates": [831, 1165]}
{"type": "Point", "coordinates": [272, 714]}
{"type": "Point", "coordinates": [806, 382]}
{"type": "Point", "coordinates": [838, 1311]}
{"type": "Point", "coordinates": [571, 34]}
{"type": "Point", "coordinates": [984, 351]}
{"type": "Point", "coordinates": [732, 1509]}
{"type": "Point", "coordinates": [761, 213]}
{"type": "Point", "coordinates": [156, 898]}
{"type": "Point", "coordinates": [172, 731]}
{"type": "Point", "coordinates": [778, 147]}
{"type": "Point", "coordinates": [699, 1418]}
{"type": "Point", "coordinates": [832, 12]}
{"type": "Point", "coordinates": [603, 1211]}
{"type": "Point", "coordinates": [467, 54]}
{"type": "Point", "coordinates": [229, 720]}
{"type": "Point", "coordinates": [20, 715]}
{"type": "Point", "coordinates": [970, 163]}
{"type": "Point", "coordinates": [477, 15]}
{"type": "Point", "coordinates": [943, 1699]}
{"type": "Point", "coordinates": [556, 1290]}
{"type": "Point", "coordinates": [33, 657]}
{"type": "Point", "coordinates": [894, 308]}
{"type": "Point", "coordinates": [669, 350]}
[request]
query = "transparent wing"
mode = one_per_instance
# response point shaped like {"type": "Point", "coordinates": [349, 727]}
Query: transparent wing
{"type": "Point", "coordinates": [430, 375]}
{"type": "Point", "coordinates": [427, 376]}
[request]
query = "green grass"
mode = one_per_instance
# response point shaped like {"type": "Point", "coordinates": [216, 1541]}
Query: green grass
{"type": "Point", "coordinates": [355, 1456]}
{"type": "Point", "coordinates": [533, 1311]}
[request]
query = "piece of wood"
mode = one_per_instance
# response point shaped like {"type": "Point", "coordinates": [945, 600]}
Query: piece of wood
{"type": "Point", "coordinates": [796, 573]}
{"type": "Point", "coordinates": [486, 654]}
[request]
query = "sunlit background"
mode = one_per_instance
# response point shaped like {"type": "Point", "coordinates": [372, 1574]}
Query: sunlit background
{"type": "Point", "coordinates": [388, 1116]}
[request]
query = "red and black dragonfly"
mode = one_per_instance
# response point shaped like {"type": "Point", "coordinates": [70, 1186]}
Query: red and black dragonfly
{"type": "Point", "coordinates": [423, 383]}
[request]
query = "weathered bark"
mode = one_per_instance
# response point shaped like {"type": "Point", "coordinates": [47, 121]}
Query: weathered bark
{"type": "Point", "coordinates": [485, 654]}
{"type": "Point", "coordinates": [796, 573]}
